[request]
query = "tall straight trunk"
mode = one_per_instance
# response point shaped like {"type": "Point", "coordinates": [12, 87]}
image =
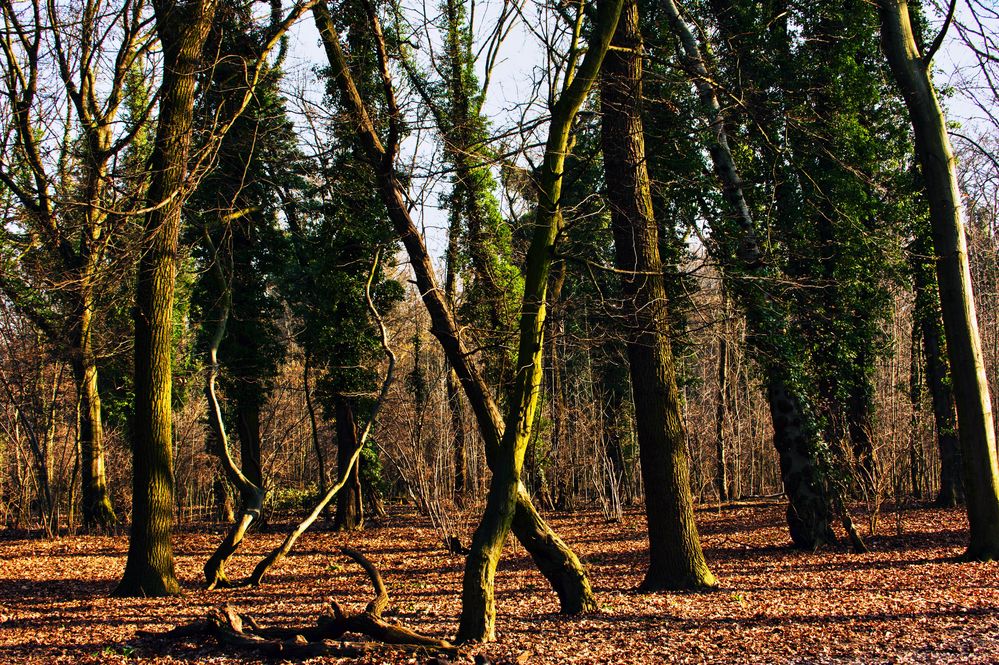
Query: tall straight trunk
{"type": "Point", "coordinates": [916, 462]}
{"type": "Point", "coordinates": [149, 569]}
{"type": "Point", "coordinates": [98, 512]}
{"type": "Point", "coordinates": [675, 557]}
{"type": "Point", "coordinates": [554, 559]}
{"type": "Point", "coordinates": [451, 382]}
{"type": "Point", "coordinates": [928, 326]}
{"type": "Point", "coordinates": [349, 506]}
{"type": "Point", "coordinates": [721, 472]}
{"type": "Point", "coordinates": [796, 436]}
{"type": "Point", "coordinates": [314, 428]}
{"type": "Point", "coordinates": [964, 347]}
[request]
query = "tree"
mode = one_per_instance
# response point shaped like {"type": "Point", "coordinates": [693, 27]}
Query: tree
{"type": "Point", "coordinates": [910, 66]}
{"type": "Point", "coordinates": [71, 219]}
{"type": "Point", "coordinates": [675, 557]}
{"type": "Point", "coordinates": [753, 278]}
{"type": "Point", "coordinates": [149, 569]}
{"type": "Point", "coordinates": [555, 560]}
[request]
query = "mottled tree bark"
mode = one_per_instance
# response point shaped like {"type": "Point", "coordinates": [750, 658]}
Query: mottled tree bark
{"type": "Point", "coordinates": [149, 569]}
{"type": "Point", "coordinates": [675, 557]}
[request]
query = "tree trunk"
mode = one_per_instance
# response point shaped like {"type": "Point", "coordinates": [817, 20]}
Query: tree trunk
{"type": "Point", "coordinates": [742, 256]}
{"type": "Point", "coordinates": [97, 510]}
{"type": "Point", "coordinates": [314, 429]}
{"type": "Point", "coordinates": [675, 557]}
{"type": "Point", "coordinates": [721, 473]}
{"type": "Point", "coordinates": [149, 569]}
{"type": "Point", "coordinates": [248, 431]}
{"type": "Point", "coordinates": [964, 348]}
{"type": "Point", "coordinates": [349, 506]}
{"type": "Point", "coordinates": [568, 577]}
{"type": "Point", "coordinates": [929, 326]}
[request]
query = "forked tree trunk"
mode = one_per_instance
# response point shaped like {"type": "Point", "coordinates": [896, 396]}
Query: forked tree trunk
{"type": "Point", "coordinates": [675, 557]}
{"type": "Point", "coordinates": [149, 569]}
{"type": "Point", "coordinates": [349, 506]}
{"type": "Point", "coordinates": [478, 611]}
{"type": "Point", "coordinates": [568, 577]}
{"type": "Point", "coordinates": [964, 348]}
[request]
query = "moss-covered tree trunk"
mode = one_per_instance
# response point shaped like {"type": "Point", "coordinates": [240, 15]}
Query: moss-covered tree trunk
{"type": "Point", "coordinates": [553, 557]}
{"type": "Point", "coordinates": [749, 278]}
{"type": "Point", "coordinates": [938, 165]}
{"type": "Point", "coordinates": [149, 569]}
{"type": "Point", "coordinates": [675, 557]}
{"type": "Point", "coordinates": [349, 506]}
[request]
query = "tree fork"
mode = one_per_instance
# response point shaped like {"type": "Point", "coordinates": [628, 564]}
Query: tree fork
{"type": "Point", "coordinates": [444, 327]}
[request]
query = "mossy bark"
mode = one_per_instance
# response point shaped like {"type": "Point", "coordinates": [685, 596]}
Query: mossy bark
{"type": "Point", "coordinates": [676, 560]}
{"type": "Point", "coordinates": [443, 324]}
{"type": "Point", "coordinates": [149, 569]}
{"type": "Point", "coordinates": [742, 254]}
{"type": "Point", "coordinates": [969, 381]}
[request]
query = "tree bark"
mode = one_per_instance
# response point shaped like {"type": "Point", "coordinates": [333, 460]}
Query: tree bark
{"type": "Point", "coordinates": [537, 537]}
{"type": "Point", "coordinates": [796, 436]}
{"type": "Point", "coordinates": [349, 506]}
{"type": "Point", "coordinates": [929, 327]}
{"type": "Point", "coordinates": [721, 472]}
{"type": "Point", "coordinates": [675, 557]}
{"type": "Point", "coordinates": [964, 348]}
{"type": "Point", "coordinates": [149, 569]}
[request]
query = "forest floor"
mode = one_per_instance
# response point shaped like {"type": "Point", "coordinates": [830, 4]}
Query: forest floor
{"type": "Point", "coordinates": [906, 601]}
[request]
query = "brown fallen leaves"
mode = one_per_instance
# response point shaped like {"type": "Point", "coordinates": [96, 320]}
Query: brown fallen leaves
{"type": "Point", "coordinates": [906, 601]}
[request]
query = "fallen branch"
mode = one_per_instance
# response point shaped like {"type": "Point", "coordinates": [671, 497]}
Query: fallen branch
{"type": "Point", "coordinates": [241, 631]}
{"type": "Point", "coordinates": [281, 551]}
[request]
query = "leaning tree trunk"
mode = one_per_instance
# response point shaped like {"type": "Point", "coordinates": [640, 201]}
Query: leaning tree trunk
{"type": "Point", "coordinates": [750, 280]}
{"type": "Point", "coordinates": [149, 569]}
{"type": "Point", "coordinates": [964, 348]}
{"type": "Point", "coordinates": [349, 507]}
{"type": "Point", "coordinates": [478, 611]}
{"type": "Point", "coordinates": [567, 577]}
{"type": "Point", "coordinates": [675, 557]}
